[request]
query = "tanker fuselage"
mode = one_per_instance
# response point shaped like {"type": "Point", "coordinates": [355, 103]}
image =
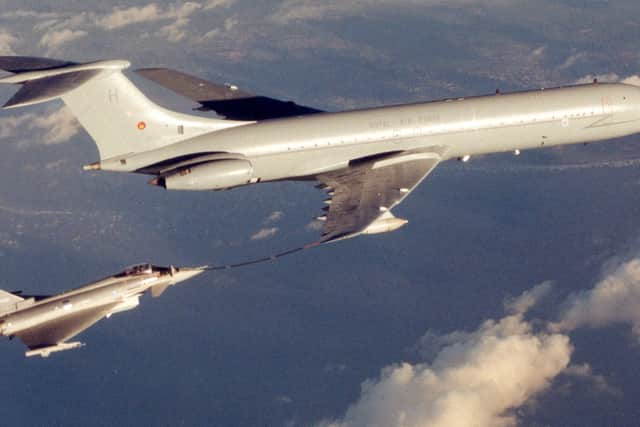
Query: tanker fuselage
{"type": "Point", "coordinates": [308, 145]}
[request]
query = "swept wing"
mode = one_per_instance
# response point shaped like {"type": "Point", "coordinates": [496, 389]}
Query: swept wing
{"type": "Point", "coordinates": [367, 190]}
{"type": "Point", "coordinates": [57, 331]}
{"type": "Point", "coordinates": [225, 99]}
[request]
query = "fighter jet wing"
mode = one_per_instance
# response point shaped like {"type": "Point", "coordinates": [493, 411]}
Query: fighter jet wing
{"type": "Point", "coordinates": [367, 190]}
{"type": "Point", "coordinates": [225, 99]}
{"type": "Point", "coordinates": [59, 330]}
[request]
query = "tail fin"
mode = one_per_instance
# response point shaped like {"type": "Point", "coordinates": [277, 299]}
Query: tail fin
{"type": "Point", "coordinates": [8, 301]}
{"type": "Point", "coordinates": [120, 119]}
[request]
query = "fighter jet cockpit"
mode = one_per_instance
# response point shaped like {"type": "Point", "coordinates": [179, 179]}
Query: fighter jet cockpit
{"type": "Point", "coordinates": [146, 268]}
{"type": "Point", "coordinates": [136, 270]}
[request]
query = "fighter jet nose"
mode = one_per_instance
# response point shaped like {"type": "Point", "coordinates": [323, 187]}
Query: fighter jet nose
{"type": "Point", "coordinates": [185, 273]}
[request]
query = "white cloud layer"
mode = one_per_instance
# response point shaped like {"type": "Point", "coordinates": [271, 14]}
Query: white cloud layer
{"type": "Point", "coordinates": [610, 77]}
{"type": "Point", "coordinates": [477, 378]}
{"type": "Point", "coordinates": [265, 233]}
{"type": "Point", "coordinates": [175, 31]}
{"type": "Point", "coordinates": [572, 60]}
{"type": "Point", "coordinates": [172, 21]}
{"type": "Point", "coordinates": [6, 42]}
{"type": "Point", "coordinates": [585, 375]}
{"type": "Point", "coordinates": [274, 217]}
{"type": "Point", "coordinates": [121, 17]}
{"type": "Point", "coordinates": [212, 4]}
{"type": "Point", "coordinates": [615, 299]}
{"type": "Point", "coordinates": [309, 10]}
{"type": "Point", "coordinates": [50, 128]}
{"type": "Point", "coordinates": [54, 39]}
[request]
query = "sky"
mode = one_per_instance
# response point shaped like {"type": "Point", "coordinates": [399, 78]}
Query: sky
{"type": "Point", "coordinates": [510, 298]}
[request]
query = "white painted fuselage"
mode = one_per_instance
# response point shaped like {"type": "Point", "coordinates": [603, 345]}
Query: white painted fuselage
{"type": "Point", "coordinates": [308, 145]}
{"type": "Point", "coordinates": [116, 293]}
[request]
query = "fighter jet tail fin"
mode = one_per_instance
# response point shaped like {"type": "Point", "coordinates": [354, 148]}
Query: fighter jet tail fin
{"type": "Point", "coordinates": [119, 118]}
{"type": "Point", "coordinates": [8, 301]}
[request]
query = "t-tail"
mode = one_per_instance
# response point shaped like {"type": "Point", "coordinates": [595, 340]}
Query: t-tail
{"type": "Point", "coordinates": [116, 114]}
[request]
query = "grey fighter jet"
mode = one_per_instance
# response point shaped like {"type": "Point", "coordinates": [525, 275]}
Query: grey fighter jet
{"type": "Point", "coordinates": [45, 323]}
{"type": "Point", "coordinates": [367, 160]}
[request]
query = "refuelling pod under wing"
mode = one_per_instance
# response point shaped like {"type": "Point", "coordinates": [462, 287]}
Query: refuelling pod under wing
{"type": "Point", "coordinates": [216, 175]}
{"type": "Point", "coordinates": [385, 223]}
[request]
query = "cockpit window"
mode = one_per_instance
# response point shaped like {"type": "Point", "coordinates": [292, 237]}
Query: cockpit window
{"type": "Point", "coordinates": [139, 269]}
{"type": "Point", "coordinates": [160, 269]}
{"type": "Point", "coordinates": [134, 270]}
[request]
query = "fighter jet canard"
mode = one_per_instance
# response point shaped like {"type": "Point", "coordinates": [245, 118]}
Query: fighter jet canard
{"type": "Point", "coordinates": [367, 160]}
{"type": "Point", "coordinates": [45, 323]}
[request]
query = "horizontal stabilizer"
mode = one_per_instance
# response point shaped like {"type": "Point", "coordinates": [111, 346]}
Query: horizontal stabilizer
{"type": "Point", "coordinates": [21, 64]}
{"type": "Point", "coordinates": [45, 79]}
{"type": "Point", "coordinates": [47, 88]}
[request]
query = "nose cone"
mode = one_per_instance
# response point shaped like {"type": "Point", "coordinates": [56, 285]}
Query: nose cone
{"type": "Point", "coordinates": [185, 273]}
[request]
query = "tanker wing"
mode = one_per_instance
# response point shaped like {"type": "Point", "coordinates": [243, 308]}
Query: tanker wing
{"type": "Point", "coordinates": [226, 100]}
{"type": "Point", "coordinates": [362, 195]}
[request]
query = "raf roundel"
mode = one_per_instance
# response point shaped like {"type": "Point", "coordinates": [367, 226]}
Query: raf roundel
{"type": "Point", "coordinates": [142, 125]}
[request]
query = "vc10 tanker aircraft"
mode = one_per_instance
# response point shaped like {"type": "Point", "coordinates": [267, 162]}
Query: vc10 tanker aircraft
{"type": "Point", "coordinates": [368, 160]}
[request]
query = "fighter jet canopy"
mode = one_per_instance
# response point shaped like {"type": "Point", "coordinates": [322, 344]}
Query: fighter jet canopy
{"type": "Point", "coordinates": [145, 268]}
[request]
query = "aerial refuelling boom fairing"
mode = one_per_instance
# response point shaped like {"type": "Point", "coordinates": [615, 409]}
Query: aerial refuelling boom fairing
{"type": "Point", "coordinates": [45, 323]}
{"type": "Point", "coordinates": [367, 160]}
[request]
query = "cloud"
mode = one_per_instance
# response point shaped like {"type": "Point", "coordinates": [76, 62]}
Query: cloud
{"type": "Point", "coordinates": [615, 299]}
{"type": "Point", "coordinates": [313, 10]}
{"type": "Point", "coordinates": [585, 375]}
{"type": "Point", "coordinates": [50, 128]}
{"type": "Point", "coordinates": [572, 60]}
{"type": "Point", "coordinates": [6, 42]}
{"type": "Point", "coordinates": [528, 299]}
{"type": "Point", "coordinates": [314, 225]}
{"type": "Point", "coordinates": [121, 17]}
{"type": "Point", "coordinates": [283, 399]}
{"type": "Point", "coordinates": [212, 4]}
{"type": "Point", "coordinates": [610, 77]}
{"type": "Point", "coordinates": [9, 126]}
{"type": "Point", "coordinates": [59, 28]}
{"type": "Point", "coordinates": [274, 217]}
{"type": "Point", "coordinates": [265, 233]}
{"type": "Point", "coordinates": [58, 126]}
{"type": "Point", "coordinates": [631, 80]}
{"type": "Point", "coordinates": [539, 51]}
{"type": "Point", "coordinates": [54, 39]}
{"type": "Point", "coordinates": [209, 35]}
{"type": "Point", "coordinates": [229, 23]}
{"type": "Point", "coordinates": [476, 378]}
{"type": "Point", "coordinates": [20, 13]}
{"type": "Point", "coordinates": [33, 212]}
{"type": "Point", "coordinates": [174, 32]}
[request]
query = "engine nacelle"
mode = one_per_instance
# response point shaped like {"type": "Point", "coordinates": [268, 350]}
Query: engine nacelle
{"type": "Point", "coordinates": [216, 175]}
